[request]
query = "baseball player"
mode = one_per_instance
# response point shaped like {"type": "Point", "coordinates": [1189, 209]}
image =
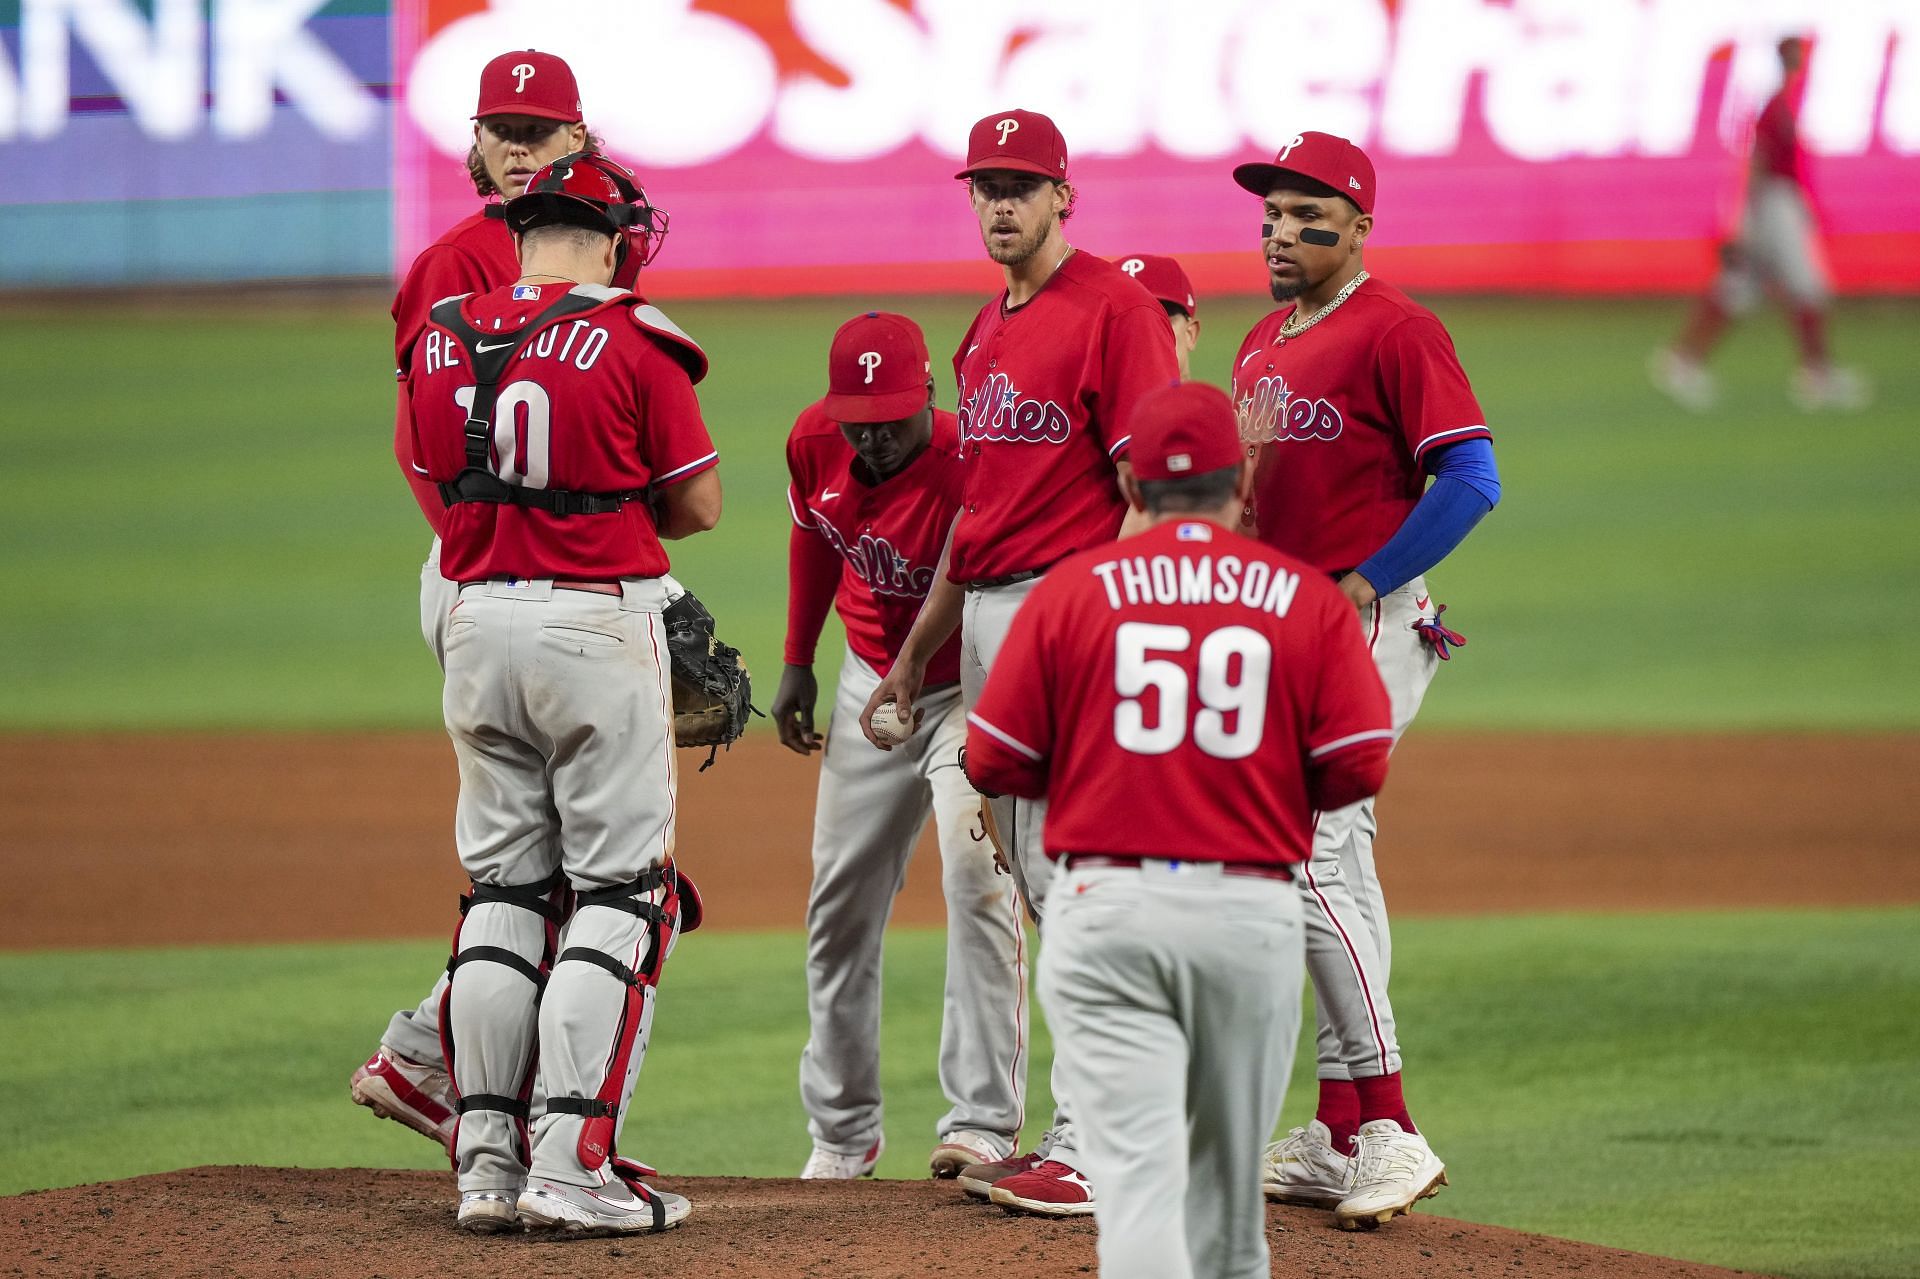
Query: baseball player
{"type": "Point", "coordinates": [557, 418]}
{"type": "Point", "coordinates": [1350, 398]}
{"type": "Point", "coordinates": [1167, 281]}
{"type": "Point", "coordinates": [527, 116]}
{"type": "Point", "coordinates": [876, 479]}
{"type": "Point", "coordinates": [1776, 247]}
{"type": "Point", "coordinates": [1185, 699]}
{"type": "Point", "coordinates": [1048, 373]}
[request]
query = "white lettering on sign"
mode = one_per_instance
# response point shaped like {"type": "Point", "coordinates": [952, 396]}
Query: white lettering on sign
{"type": "Point", "coordinates": [155, 64]}
{"type": "Point", "coordinates": [869, 360]}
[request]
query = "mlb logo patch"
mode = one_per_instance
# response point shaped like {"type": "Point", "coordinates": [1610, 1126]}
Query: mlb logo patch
{"type": "Point", "coordinates": [1193, 533]}
{"type": "Point", "coordinates": [526, 293]}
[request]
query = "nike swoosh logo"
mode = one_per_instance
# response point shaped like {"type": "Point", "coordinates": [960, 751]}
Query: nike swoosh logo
{"type": "Point", "coordinates": [484, 347]}
{"type": "Point", "coordinates": [828, 495]}
{"type": "Point", "coordinates": [1423, 601]}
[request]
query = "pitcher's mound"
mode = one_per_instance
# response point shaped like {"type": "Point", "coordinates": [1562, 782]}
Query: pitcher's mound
{"type": "Point", "coordinates": [364, 1222]}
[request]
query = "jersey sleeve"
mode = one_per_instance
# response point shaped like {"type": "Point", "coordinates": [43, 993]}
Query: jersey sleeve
{"type": "Point", "coordinates": [1426, 389]}
{"type": "Point", "coordinates": [1139, 358]}
{"type": "Point", "coordinates": [441, 271]}
{"type": "Point", "coordinates": [673, 436]}
{"type": "Point", "coordinates": [1350, 729]}
{"type": "Point", "coordinates": [813, 575]}
{"type": "Point", "coordinates": [1010, 732]}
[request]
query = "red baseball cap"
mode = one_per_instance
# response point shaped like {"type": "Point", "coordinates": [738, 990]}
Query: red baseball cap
{"type": "Point", "coordinates": [1160, 276]}
{"type": "Point", "coordinates": [524, 82]}
{"type": "Point", "coordinates": [1319, 157]}
{"type": "Point", "coordinates": [1184, 429]}
{"type": "Point", "coordinates": [877, 370]}
{"type": "Point", "coordinates": [1024, 141]}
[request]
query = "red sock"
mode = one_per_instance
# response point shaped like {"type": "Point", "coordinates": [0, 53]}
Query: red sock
{"type": "Point", "coordinates": [1380, 1098]}
{"type": "Point", "coordinates": [1810, 328]}
{"type": "Point", "coordinates": [1340, 1112]}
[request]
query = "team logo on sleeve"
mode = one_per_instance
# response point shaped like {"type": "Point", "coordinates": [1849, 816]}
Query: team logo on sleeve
{"type": "Point", "coordinates": [996, 412]}
{"type": "Point", "coordinates": [1269, 412]}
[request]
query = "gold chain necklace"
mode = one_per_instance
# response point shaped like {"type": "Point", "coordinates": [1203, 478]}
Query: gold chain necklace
{"type": "Point", "coordinates": [1293, 326]}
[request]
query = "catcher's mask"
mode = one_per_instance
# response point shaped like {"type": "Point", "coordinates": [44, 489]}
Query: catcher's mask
{"type": "Point", "coordinates": [587, 189]}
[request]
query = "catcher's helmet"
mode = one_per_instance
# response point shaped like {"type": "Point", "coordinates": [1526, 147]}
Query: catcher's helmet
{"type": "Point", "coordinates": [587, 189]}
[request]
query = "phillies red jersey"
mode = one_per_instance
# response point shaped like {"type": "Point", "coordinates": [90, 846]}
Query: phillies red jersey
{"type": "Point", "coordinates": [1045, 392]}
{"type": "Point", "coordinates": [476, 255]}
{"type": "Point", "coordinates": [1776, 134]}
{"type": "Point", "coordinates": [599, 401]}
{"type": "Point", "coordinates": [1347, 411]}
{"type": "Point", "coordinates": [886, 540]}
{"type": "Point", "coordinates": [1188, 693]}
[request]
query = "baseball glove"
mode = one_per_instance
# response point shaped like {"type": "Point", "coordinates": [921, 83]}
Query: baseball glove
{"type": "Point", "coordinates": [712, 694]}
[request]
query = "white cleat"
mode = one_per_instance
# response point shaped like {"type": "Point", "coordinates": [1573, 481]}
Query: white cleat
{"type": "Point", "coordinates": [963, 1148]}
{"type": "Point", "coordinates": [1393, 1170]}
{"type": "Point", "coordinates": [825, 1165]}
{"type": "Point", "coordinates": [1684, 381]}
{"type": "Point", "coordinates": [1304, 1168]}
{"type": "Point", "coordinates": [488, 1212]}
{"type": "Point", "coordinates": [1817, 390]}
{"type": "Point", "coordinates": [614, 1209]}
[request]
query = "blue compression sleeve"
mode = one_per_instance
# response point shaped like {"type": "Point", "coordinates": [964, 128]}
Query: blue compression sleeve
{"type": "Point", "coordinates": [1466, 484]}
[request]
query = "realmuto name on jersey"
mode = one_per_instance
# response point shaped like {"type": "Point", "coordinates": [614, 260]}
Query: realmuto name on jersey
{"type": "Point", "coordinates": [877, 563]}
{"type": "Point", "coordinates": [1270, 412]}
{"type": "Point", "coordinates": [995, 411]}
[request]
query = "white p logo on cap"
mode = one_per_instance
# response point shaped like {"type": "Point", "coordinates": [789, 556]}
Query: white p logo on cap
{"type": "Point", "coordinates": [1287, 150]}
{"type": "Point", "coordinates": [521, 74]}
{"type": "Point", "coordinates": [1133, 266]}
{"type": "Point", "coordinates": [1007, 126]}
{"type": "Point", "coordinates": [869, 360]}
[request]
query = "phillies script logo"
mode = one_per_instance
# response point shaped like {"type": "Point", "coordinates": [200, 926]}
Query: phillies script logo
{"type": "Point", "coordinates": [1269, 411]}
{"type": "Point", "coordinates": [996, 412]}
{"type": "Point", "coordinates": [875, 562]}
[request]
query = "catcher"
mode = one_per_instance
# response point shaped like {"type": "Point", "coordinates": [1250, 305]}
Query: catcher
{"type": "Point", "coordinates": [557, 416]}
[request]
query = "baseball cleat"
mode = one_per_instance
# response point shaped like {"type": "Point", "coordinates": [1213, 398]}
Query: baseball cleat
{"type": "Point", "coordinates": [488, 1212]}
{"type": "Point", "coordinates": [1684, 381]}
{"type": "Point", "coordinates": [1305, 1169]}
{"type": "Point", "coordinates": [960, 1150]}
{"type": "Point", "coordinates": [979, 1179]}
{"type": "Point", "coordinates": [1817, 389]}
{"type": "Point", "coordinates": [828, 1165]}
{"type": "Point", "coordinates": [1048, 1189]}
{"type": "Point", "coordinates": [619, 1208]}
{"type": "Point", "coordinates": [408, 1092]}
{"type": "Point", "coordinates": [1393, 1170]}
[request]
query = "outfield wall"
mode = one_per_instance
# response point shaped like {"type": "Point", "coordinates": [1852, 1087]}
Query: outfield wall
{"type": "Point", "coordinates": [808, 146]}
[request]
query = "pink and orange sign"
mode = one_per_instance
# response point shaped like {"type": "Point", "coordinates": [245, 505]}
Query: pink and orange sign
{"type": "Point", "coordinates": [808, 146]}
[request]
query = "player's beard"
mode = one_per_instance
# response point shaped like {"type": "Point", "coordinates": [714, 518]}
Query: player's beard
{"type": "Point", "coordinates": [1286, 290]}
{"type": "Point", "coordinates": [1021, 249]}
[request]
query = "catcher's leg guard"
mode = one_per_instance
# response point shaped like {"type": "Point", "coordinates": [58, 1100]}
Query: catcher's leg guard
{"type": "Point", "coordinates": [592, 1029]}
{"type": "Point", "coordinates": [502, 951]}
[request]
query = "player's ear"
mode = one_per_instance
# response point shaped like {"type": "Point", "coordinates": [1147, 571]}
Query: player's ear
{"type": "Point", "coordinates": [1361, 226]}
{"type": "Point", "coordinates": [1243, 487]}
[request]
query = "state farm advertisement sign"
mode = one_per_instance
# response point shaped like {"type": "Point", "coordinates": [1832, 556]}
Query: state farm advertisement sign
{"type": "Point", "coordinates": [808, 146]}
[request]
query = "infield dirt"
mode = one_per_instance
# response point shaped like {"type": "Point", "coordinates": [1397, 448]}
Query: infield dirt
{"type": "Point", "coordinates": [125, 840]}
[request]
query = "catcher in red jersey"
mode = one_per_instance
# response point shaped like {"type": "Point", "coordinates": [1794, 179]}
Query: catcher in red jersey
{"type": "Point", "coordinates": [1048, 374]}
{"type": "Point", "coordinates": [876, 479]}
{"type": "Point", "coordinates": [527, 115]}
{"type": "Point", "coordinates": [1185, 698]}
{"type": "Point", "coordinates": [557, 418]}
{"type": "Point", "coordinates": [1350, 400]}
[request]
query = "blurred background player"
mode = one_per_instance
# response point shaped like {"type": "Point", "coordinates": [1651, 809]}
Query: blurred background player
{"type": "Point", "coordinates": [1048, 374]}
{"type": "Point", "coordinates": [1167, 281]}
{"type": "Point", "coordinates": [1776, 249]}
{"type": "Point", "coordinates": [1350, 398]}
{"type": "Point", "coordinates": [527, 115]}
{"type": "Point", "coordinates": [558, 698]}
{"type": "Point", "coordinates": [876, 478]}
{"type": "Point", "coordinates": [1184, 740]}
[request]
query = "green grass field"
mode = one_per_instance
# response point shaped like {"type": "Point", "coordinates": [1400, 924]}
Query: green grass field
{"type": "Point", "coordinates": [204, 525]}
{"type": "Point", "coordinates": [1737, 1089]}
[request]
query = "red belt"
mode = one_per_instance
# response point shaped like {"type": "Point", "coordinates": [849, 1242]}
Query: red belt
{"type": "Point", "coordinates": [1102, 861]}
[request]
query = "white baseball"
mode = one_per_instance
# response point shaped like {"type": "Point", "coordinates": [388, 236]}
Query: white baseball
{"type": "Point", "coordinates": [888, 726]}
